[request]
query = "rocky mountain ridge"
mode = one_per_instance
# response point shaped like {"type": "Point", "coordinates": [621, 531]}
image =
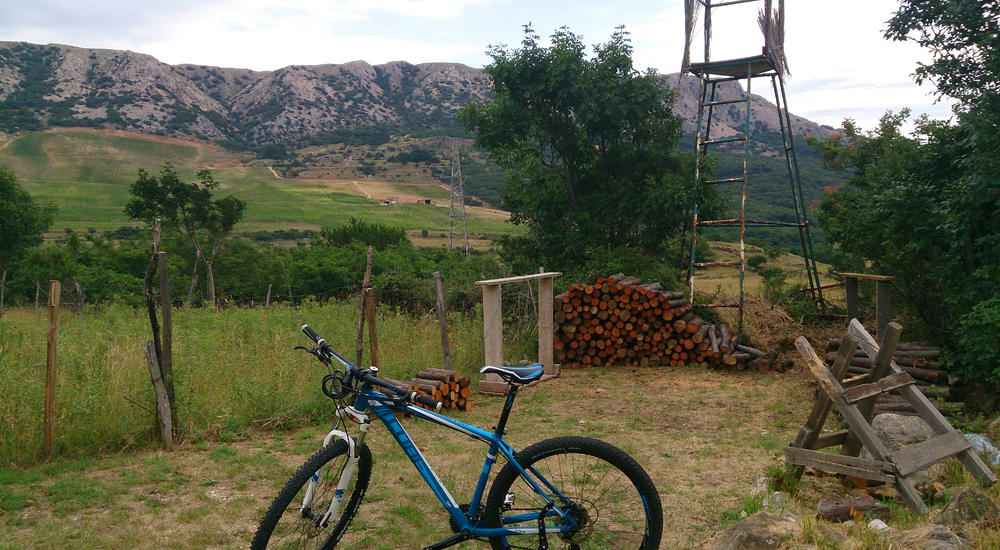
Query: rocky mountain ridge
{"type": "Point", "coordinates": [57, 85]}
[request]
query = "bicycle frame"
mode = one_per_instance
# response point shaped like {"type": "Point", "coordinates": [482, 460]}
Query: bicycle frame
{"type": "Point", "coordinates": [385, 408]}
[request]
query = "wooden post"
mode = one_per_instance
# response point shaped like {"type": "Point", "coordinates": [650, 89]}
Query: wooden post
{"type": "Point", "coordinates": [365, 283]}
{"type": "Point", "coordinates": [166, 359]}
{"type": "Point", "coordinates": [851, 290]}
{"type": "Point", "coordinates": [267, 299]}
{"type": "Point", "coordinates": [163, 408]}
{"type": "Point", "coordinates": [372, 336]}
{"type": "Point", "coordinates": [78, 307]}
{"type": "Point", "coordinates": [288, 283]}
{"type": "Point", "coordinates": [883, 306]}
{"type": "Point", "coordinates": [545, 322]}
{"type": "Point", "coordinates": [50, 367]}
{"type": "Point", "coordinates": [3, 290]}
{"type": "Point", "coordinates": [493, 326]}
{"type": "Point", "coordinates": [38, 290]}
{"type": "Point", "coordinates": [442, 321]}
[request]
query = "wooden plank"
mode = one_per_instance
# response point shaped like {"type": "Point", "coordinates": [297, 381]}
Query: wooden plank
{"type": "Point", "coordinates": [866, 277]}
{"type": "Point", "coordinates": [492, 329]}
{"type": "Point", "coordinates": [916, 457]}
{"type": "Point", "coordinates": [883, 466]}
{"type": "Point", "coordinates": [806, 438]}
{"type": "Point", "coordinates": [882, 359]}
{"type": "Point", "coordinates": [842, 469]}
{"type": "Point", "coordinates": [830, 439]}
{"type": "Point", "coordinates": [887, 384]}
{"type": "Point", "coordinates": [545, 325]}
{"type": "Point", "coordinates": [856, 423]}
{"type": "Point", "coordinates": [926, 410]}
{"type": "Point", "coordinates": [493, 388]}
{"type": "Point", "coordinates": [519, 278]}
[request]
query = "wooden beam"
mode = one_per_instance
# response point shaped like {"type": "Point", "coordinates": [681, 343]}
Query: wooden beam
{"type": "Point", "coordinates": [545, 324]}
{"type": "Point", "coordinates": [519, 278]}
{"type": "Point", "coordinates": [913, 458]}
{"type": "Point", "coordinates": [887, 384]}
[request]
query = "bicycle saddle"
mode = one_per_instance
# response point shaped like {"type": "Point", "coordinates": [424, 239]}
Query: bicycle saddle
{"type": "Point", "coordinates": [517, 376]}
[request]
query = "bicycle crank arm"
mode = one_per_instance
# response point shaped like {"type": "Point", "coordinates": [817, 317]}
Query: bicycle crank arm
{"type": "Point", "coordinates": [450, 541]}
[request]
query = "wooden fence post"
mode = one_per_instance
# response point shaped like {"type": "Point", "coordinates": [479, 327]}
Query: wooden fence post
{"type": "Point", "coordinates": [163, 408]}
{"type": "Point", "coordinates": [365, 283]}
{"type": "Point", "coordinates": [50, 368]}
{"type": "Point", "coordinates": [372, 336]}
{"type": "Point", "coordinates": [267, 299]}
{"type": "Point", "coordinates": [442, 321]}
{"type": "Point", "coordinates": [3, 291]}
{"type": "Point", "coordinates": [38, 290]}
{"type": "Point", "coordinates": [166, 359]}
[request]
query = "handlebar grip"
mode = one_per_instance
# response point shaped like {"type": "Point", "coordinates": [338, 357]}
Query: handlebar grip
{"type": "Point", "coordinates": [311, 333]}
{"type": "Point", "coordinates": [426, 401]}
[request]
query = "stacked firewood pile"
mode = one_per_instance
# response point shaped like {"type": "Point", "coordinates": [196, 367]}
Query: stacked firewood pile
{"type": "Point", "coordinates": [446, 386]}
{"type": "Point", "coordinates": [618, 320]}
{"type": "Point", "coordinates": [918, 359]}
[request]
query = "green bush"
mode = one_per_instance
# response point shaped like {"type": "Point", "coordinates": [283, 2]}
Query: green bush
{"type": "Point", "coordinates": [374, 234]}
{"type": "Point", "coordinates": [976, 352]}
{"type": "Point", "coordinates": [755, 261]}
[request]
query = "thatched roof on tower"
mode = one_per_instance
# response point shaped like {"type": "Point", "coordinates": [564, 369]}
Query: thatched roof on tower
{"type": "Point", "coordinates": [772, 25]}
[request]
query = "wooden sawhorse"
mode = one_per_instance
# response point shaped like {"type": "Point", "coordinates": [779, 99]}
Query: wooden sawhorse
{"type": "Point", "coordinates": [856, 405]}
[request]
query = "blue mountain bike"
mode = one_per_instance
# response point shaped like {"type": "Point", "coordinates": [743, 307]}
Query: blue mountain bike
{"type": "Point", "coordinates": [566, 492]}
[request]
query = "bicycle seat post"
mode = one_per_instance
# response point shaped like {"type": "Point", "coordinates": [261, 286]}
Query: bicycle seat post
{"type": "Point", "coordinates": [501, 426]}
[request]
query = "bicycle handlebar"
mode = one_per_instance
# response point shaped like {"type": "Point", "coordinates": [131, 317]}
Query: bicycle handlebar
{"type": "Point", "coordinates": [325, 348]}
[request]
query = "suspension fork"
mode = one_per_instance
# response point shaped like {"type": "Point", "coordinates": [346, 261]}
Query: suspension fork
{"type": "Point", "coordinates": [353, 456]}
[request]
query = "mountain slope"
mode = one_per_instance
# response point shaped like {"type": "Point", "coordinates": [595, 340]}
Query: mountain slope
{"type": "Point", "coordinates": [56, 85]}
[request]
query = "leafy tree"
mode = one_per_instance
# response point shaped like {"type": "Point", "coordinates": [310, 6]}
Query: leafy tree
{"type": "Point", "coordinates": [963, 37]}
{"type": "Point", "coordinates": [588, 144]}
{"type": "Point", "coordinates": [924, 207]}
{"type": "Point", "coordinates": [189, 209]}
{"type": "Point", "coordinates": [22, 220]}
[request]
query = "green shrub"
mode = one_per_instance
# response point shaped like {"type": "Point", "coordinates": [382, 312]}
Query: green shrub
{"type": "Point", "coordinates": [755, 261]}
{"type": "Point", "coordinates": [975, 353]}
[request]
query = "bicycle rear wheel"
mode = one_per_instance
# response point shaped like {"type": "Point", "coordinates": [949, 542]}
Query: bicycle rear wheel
{"type": "Point", "coordinates": [289, 524]}
{"type": "Point", "coordinates": [604, 489]}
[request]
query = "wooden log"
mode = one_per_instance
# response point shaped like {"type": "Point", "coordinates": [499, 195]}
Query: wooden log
{"type": "Point", "coordinates": [444, 375]}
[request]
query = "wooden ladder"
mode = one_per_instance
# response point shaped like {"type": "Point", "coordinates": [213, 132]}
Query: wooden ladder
{"type": "Point", "coordinates": [856, 405]}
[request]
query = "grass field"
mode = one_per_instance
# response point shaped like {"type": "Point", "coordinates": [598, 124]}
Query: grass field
{"type": "Point", "coordinates": [251, 412]}
{"type": "Point", "coordinates": [86, 173]}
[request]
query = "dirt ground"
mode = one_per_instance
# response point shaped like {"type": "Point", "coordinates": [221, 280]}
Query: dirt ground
{"type": "Point", "coordinates": [703, 436]}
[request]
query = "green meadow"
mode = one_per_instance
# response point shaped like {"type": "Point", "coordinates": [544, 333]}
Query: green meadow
{"type": "Point", "coordinates": [87, 174]}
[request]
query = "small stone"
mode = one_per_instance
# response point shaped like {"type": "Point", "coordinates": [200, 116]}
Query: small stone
{"type": "Point", "coordinates": [878, 525]}
{"type": "Point", "coordinates": [931, 537]}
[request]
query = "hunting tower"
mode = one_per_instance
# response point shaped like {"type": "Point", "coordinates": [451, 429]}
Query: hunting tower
{"type": "Point", "coordinates": [769, 64]}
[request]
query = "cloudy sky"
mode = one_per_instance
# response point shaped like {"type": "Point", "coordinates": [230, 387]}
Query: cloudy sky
{"type": "Point", "coordinates": [841, 66]}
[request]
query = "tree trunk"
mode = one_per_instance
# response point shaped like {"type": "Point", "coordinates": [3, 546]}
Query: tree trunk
{"type": "Point", "coordinates": [194, 281]}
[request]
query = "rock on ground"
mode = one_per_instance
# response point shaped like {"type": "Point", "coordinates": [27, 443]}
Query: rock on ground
{"type": "Point", "coordinates": [897, 430]}
{"type": "Point", "coordinates": [931, 537]}
{"type": "Point", "coordinates": [761, 531]}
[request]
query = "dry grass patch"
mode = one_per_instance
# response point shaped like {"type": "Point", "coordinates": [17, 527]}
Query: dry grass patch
{"type": "Point", "coordinates": [702, 435]}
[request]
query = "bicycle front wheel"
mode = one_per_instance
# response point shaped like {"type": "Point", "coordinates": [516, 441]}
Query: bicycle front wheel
{"type": "Point", "coordinates": [291, 522]}
{"type": "Point", "coordinates": [606, 492]}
